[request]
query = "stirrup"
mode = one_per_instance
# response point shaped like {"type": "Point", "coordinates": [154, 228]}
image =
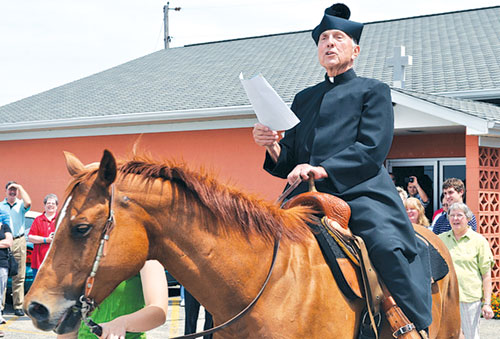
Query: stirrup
{"type": "Point", "coordinates": [365, 326]}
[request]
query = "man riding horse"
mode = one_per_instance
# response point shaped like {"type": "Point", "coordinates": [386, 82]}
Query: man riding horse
{"type": "Point", "coordinates": [344, 135]}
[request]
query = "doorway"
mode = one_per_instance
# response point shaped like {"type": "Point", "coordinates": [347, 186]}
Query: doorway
{"type": "Point", "coordinates": [430, 173]}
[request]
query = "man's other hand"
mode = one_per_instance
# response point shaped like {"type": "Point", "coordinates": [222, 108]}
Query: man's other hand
{"type": "Point", "coordinates": [303, 171]}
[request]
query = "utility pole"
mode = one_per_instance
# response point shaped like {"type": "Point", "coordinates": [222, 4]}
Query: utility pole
{"type": "Point", "coordinates": [167, 37]}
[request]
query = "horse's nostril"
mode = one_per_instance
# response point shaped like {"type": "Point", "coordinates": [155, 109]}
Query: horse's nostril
{"type": "Point", "coordinates": [38, 311]}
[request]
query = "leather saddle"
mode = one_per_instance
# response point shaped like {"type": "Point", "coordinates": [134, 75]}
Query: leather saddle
{"type": "Point", "coordinates": [348, 259]}
{"type": "Point", "coordinates": [332, 231]}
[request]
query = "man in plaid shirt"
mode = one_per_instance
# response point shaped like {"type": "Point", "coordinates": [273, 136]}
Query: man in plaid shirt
{"type": "Point", "coordinates": [453, 190]}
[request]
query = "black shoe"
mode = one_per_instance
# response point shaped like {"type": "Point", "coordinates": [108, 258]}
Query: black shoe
{"type": "Point", "coordinates": [19, 312]}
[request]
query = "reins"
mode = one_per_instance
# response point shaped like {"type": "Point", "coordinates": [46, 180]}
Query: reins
{"type": "Point", "coordinates": [87, 304]}
{"type": "Point", "coordinates": [245, 310]}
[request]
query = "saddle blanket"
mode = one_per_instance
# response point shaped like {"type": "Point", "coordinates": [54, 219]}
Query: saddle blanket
{"type": "Point", "coordinates": [345, 268]}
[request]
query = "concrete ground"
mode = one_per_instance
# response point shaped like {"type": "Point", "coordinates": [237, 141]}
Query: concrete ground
{"type": "Point", "coordinates": [22, 327]}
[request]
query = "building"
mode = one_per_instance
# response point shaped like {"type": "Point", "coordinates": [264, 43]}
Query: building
{"type": "Point", "coordinates": [187, 102]}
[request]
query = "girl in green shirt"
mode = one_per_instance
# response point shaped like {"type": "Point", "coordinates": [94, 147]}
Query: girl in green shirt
{"type": "Point", "coordinates": [137, 305]}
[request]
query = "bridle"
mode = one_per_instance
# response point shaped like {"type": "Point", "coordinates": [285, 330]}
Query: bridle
{"type": "Point", "coordinates": [86, 304]}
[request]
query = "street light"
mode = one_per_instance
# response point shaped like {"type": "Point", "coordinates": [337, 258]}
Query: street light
{"type": "Point", "coordinates": [166, 8]}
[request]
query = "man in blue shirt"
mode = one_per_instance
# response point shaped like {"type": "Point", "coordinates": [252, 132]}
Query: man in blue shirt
{"type": "Point", "coordinates": [17, 203]}
{"type": "Point", "coordinates": [453, 190]}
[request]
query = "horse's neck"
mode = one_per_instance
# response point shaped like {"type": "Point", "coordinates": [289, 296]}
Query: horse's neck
{"type": "Point", "coordinates": [200, 253]}
{"type": "Point", "coordinates": [218, 264]}
{"type": "Point", "coordinates": [217, 268]}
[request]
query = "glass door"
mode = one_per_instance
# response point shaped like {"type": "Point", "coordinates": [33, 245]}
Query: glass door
{"type": "Point", "coordinates": [452, 168]}
{"type": "Point", "coordinates": [431, 173]}
{"type": "Point", "coordinates": [426, 172]}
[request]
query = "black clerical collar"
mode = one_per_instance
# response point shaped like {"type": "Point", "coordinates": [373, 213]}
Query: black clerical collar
{"type": "Point", "coordinates": [347, 75]}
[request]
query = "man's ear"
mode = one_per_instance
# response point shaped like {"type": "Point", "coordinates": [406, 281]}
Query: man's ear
{"type": "Point", "coordinates": [355, 52]}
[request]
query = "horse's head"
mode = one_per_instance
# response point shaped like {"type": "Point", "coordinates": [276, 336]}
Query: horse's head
{"type": "Point", "coordinates": [53, 300]}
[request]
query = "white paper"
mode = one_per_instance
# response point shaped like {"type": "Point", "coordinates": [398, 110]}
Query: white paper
{"type": "Point", "coordinates": [270, 109]}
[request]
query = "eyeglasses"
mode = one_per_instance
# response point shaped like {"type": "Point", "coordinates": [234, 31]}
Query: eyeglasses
{"type": "Point", "coordinates": [458, 216]}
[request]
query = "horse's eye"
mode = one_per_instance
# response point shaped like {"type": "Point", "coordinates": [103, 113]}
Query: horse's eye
{"type": "Point", "coordinates": [81, 230]}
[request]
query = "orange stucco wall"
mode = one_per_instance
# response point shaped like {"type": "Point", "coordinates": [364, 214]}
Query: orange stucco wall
{"type": "Point", "coordinates": [428, 146]}
{"type": "Point", "coordinates": [39, 164]}
{"type": "Point", "coordinates": [40, 167]}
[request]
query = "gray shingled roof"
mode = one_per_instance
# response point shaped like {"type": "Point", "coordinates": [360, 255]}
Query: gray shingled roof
{"type": "Point", "coordinates": [457, 51]}
{"type": "Point", "coordinates": [474, 108]}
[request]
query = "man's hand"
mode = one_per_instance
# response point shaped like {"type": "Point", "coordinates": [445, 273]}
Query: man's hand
{"type": "Point", "coordinates": [21, 194]}
{"type": "Point", "coordinates": [263, 135]}
{"type": "Point", "coordinates": [487, 311]}
{"type": "Point", "coordinates": [420, 190]}
{"type": "Point", "coordinates": [15, 186]}
{"type": "Point", "coordinates": [303, 171]}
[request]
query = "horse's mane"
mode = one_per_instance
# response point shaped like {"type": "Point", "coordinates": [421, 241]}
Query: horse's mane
{"type": "Point", "coordinates": [250, 213]}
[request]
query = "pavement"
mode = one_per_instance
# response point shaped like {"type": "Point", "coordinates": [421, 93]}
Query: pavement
{"type": "Point", "coordinates": [22, 327]}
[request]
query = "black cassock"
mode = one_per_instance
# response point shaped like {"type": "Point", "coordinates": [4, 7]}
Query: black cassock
{"type": "Point", "coordinates": [347, 128]}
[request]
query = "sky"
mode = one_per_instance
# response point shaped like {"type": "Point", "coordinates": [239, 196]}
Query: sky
{"type": "Point", "coordinates": [48, 43]}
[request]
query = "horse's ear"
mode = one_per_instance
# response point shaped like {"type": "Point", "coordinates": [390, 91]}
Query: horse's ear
{"type": "Point", "coordinates": [73, 164]}
{"type": "Point", "coordinates": [107, 168]}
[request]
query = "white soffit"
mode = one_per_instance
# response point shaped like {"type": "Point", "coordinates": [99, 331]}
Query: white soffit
{"type": "Point", "coordinates": [408, 118]}
{"type": "Point", "coordinates": [155, 122]}
{"type": "Point", "coordinates": [489, 142]}
{"type": "Point", "coordinates": [415, 113]}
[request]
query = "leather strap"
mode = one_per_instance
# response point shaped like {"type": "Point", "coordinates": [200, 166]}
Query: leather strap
{"type": "Point", "coordinates": [373, 291]}
{"type": "Point", "coordinates": [289, 190]}
{"type": "Point", "coordinates": [401, 326]}
{"type": "Point", "coordinates": [245, 310]}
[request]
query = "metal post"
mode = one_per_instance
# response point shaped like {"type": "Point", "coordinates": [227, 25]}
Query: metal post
{"type": "Point", "coordinates": [165, 25]}
{"type": "Point", "coordinates": [167, 38]}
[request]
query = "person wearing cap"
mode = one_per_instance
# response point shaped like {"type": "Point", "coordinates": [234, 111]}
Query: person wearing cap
{"type": "Point", "coordinates": [17, 203]}
{"type": "Point", "coordinates": [344, 135]}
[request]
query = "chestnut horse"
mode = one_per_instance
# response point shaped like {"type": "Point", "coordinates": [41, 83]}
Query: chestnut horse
{"type": "Point", "coordinates": [218, 243]}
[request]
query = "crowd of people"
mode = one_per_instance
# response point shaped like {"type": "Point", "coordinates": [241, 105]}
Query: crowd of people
{"type": "Point", "coordinates": [456, 226]}
{"type": "Point", "coordinates": [13, 234]}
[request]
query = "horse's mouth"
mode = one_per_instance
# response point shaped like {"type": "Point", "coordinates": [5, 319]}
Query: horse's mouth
{"type": "Point", "coordinates": [69, 321]}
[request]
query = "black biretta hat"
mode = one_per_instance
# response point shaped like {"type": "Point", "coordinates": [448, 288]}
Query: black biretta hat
{"type": "Point", "coordinates": [337, 17]}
